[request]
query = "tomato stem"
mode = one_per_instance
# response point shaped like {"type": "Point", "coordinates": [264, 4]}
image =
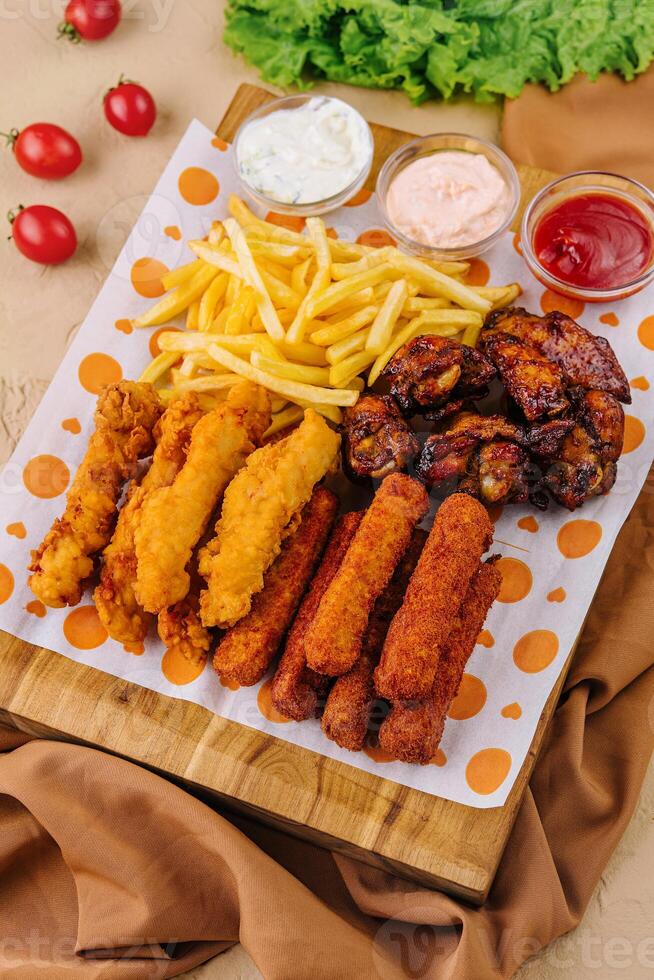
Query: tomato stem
{"type": "Point", "coordinates": [11, 137]}
{"type": "Point", "coordinates": [12, 215]}
{"type": "Point", "coordinates": [69, 31]}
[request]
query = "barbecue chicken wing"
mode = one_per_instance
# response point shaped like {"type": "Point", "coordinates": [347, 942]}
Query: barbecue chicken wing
{"type": "Point", "coordinates": [584, 464]}
{"type": "Point", "coordinates": [376, 439]}
{"type": "Point", "coordinates": [427, 370]}
{"type": "Point", "coordinates": [484, 456]}
{"type": "Point", "coordinates": [587, 361]}
{"type": "Point", "coordinates": [535, 384]}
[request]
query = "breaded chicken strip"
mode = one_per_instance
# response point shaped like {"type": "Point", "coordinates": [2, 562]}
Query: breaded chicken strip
{"type": "Point", "coordinates": [296, 689]}
{"type": "Point", "coordinates": [460, 535]}
{"type": "Point", "coordinates": [412, 730]}
{"type": "Point", "coordinates": [334, 639]}
{"type": "Point", "coordinates": [247, 649]}
{"type": "Point", "coordinates": [347, 711]}
{"type": "Point", "coordinates": [119, 611]}
{"type": "Point", "coordinates": [261, 507]}
{"type": "Point", "coordinates": [172, 519]}
{"type": "Point", "coordinates": [180, 629]}
{"type": "Point", "coordinates": [125, 417]}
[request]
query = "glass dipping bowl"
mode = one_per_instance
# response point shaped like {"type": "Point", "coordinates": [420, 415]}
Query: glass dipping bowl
{"type": "Point", "coordinates": [426, 146]}
{"type": "Point", "coordinates": [321, 206]}
{"type": "Point", "coordinates": [585, 182]}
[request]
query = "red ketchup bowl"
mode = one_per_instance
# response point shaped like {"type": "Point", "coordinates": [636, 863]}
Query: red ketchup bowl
{"type": "Point", "coordinates": [590, 236]}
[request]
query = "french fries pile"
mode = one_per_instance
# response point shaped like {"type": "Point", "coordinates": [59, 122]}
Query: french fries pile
{"type": "Point", "coordinates": [310, 317]}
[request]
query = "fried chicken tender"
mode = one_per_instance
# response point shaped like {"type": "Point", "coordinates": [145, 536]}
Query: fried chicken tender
{"type": "Point", "coordinates": [125, 417]}
{"type": "Point", "coordinates": [347, 711]}
{"type": "Point", "coordinates": [180, 629]}
{"type": "Point", "coordinates": [247, 649]}
{"type": "Point", "coordinates": [335, 637]}
{"type": "Point", "coordinates": [172, 519]}
{"type": "Point", "coordinates": [296, 689]}
{"type": "Point", "coordinates": [460, 535]}
{"type": "Point", "coordinates": [412, 730]}
{"type": "Point", "coordinates": [261, 507]}
{"type": "Point", "coordinates": [118, 609]}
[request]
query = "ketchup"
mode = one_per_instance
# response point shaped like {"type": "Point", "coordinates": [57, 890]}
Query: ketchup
{"type": "Point", "coordinates": [594, 241]}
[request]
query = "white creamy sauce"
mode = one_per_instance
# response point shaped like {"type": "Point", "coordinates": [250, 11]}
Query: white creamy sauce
{"type": "Point", "coordinates": [298, 156]}
{"type": "Point", "coordinates": [449, 199]}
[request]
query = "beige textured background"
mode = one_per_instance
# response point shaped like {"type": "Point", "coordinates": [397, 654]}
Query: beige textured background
{"type": "Point", "coordinates": [174, 48]}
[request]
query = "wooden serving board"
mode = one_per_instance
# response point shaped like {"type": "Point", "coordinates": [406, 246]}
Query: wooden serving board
{"type": "Point", "coordinates": [433, 841]}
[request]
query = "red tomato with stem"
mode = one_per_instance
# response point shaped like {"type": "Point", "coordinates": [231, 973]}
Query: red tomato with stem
{"type": "Point", "coordinates": [89, 20]}
{"type": "Point", "coordinates": [43, 234]}
{"type": "Point", "coordinates": [130, 108]}
{"type": "Point", "coordinates": [45, 150]}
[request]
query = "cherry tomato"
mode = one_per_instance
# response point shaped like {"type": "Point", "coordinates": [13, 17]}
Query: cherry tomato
{"type": "Point", "coordinates": [89, 20]}
{"type": "Point", "coordinates": [43, 234]}
{"type": "Point", "coordinates": [130, 108]}
{"type": "Point", "coordinates": [45, 150]}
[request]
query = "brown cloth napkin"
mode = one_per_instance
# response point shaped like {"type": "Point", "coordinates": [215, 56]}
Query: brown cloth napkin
{"type": "Point", "coordinates": [112, 869]}
{"type": "Point", "coordinates": [602, 125]}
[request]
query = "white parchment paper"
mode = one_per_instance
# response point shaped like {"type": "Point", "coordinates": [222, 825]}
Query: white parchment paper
{"type": "Point", "coordinates": [527, 638]}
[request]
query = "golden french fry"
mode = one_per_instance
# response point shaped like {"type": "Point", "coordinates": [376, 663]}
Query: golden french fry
{"type": "Point", "coordinates": [349, 345]}
{"type": "Point", "coordinates": [339, 291]}
{"type": "Point", "coordinates": [285, 255]}
{"type": "Point", "coordinates": [350, 367]}
{"type": "Point", "coordinates": [463, 318]}
{"type": "Point", "coordinates": [216, 233]}
{"type": "Point", "coordinates": [416, 304]}
{"type": "Point", "coordinates": [193, 315]}
{"type": "Point", "coordinates": [292, 390]}
{"type": "Point", "coordinates": [181, 274]}
{"type": "Point", "coordinates": [455, 269]}
{"type": "Point", "coordinates": [471, 335]}
{"type": "Point", "coordinates": [433, 281]}
{"type": "Point", "coordinates": [342, 270]}
{"type": "Point", "coordinates": [265, 305]}
{"type": "Point", "coordinates": [210, 299]}
{"type": "Point", "coordinates": [293, 372]}
{"type": "Point", "coordinates": [281, 294]}
{"type": "Point", "coordinates": [356, 384]}
{"type": "Point", "coordinates": [156, 368]}
{"type": "Point", "coordinates": [381, 330]}
{"type": "Point", "coordinates": [215, 255]}
{"type": "Point", "coordinates": [305, 353]}
{"type": "Point", "coordinates": [239, 210]}
{"type": "Point", "coordinates": [351, 304]}
{"type": "Point", "coordinates": [236, 320]}
{"type": "Point", "coordinates": [343, 251]}
{"type": "Point", "coordinates": [275, 269]}
{"type": "Point", "coordinates": [208, 382]}
{"type": "Point", "coordinates": [282, 420]}
{"type": "Point", "coordinates": [177, 301]}
{"type": "Point", "coordinates": [319, 283]}
{"type": "Point", "coordinates": [275, 233]}
{"type": "Point", "coordinates": [277, 404]}
{"type": "Point", "coordinates": [333, 332]}
{"type": "Point", "coordinates": [299, 276]}
{"type": "Point", "coordinates": [499, 295]}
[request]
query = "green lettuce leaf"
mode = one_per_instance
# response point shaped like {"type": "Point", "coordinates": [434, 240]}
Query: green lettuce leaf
{"type": "Point", "coordinates": [489, 48]}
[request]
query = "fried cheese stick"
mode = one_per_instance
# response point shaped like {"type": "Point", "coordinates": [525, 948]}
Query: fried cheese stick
{"type": "Point", "coordinates": [412, 730]}
{"type": "Point", "coordinates": [260, 508]}
{"type": "Point", "coordinates": [461, 533]}
{"type": "Point", "coordinates": [118, 609]}
{"type": "Point", "coordinates": [296, 689]}
{"type": "Point", "coordinates": [347, 711]}
{"type": "Point", "coordinates": [334, 638]}
{"type": "Point", "coordinates": [180, 629]}
{"type": "Point", "coordinates": [172, 519]}
{"type": "Point", "coordinates": [247, 649]}
{"type": "Point", "coordinates": [125, 416]}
